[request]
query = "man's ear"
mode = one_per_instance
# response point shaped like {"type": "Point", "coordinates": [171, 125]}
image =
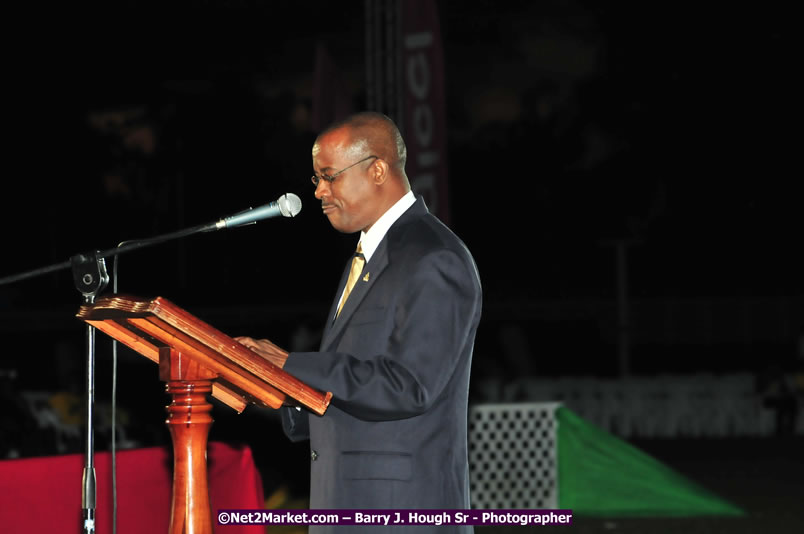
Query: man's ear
{"type": "Point", "coordinates": [380, 171]}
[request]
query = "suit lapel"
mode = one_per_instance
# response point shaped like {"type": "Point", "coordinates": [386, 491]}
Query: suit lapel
{"type": "Point", "coordinates": [371, 273]}
{"type": "Point", "coordinates": [334, 306]}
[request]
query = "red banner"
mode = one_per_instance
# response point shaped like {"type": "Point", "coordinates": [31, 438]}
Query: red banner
{"type": "Point", "coordinates": [424, 124]}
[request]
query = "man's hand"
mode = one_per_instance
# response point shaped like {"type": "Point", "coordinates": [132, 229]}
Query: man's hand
{"type": "Point", "coordinates": [266, 349]}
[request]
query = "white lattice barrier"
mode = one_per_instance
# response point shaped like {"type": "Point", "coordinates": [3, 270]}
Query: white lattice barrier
{"type": "Point", "coordinates": [513, 456]}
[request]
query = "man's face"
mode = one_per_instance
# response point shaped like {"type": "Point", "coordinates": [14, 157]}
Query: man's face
{"type": "Point", "coordinates": [350, 201]}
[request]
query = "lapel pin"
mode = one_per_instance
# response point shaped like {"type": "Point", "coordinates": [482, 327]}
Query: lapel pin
{"type": "Point", "coordinates": [366, 278]}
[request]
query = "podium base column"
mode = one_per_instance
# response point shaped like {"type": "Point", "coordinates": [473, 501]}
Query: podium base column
{"type": "Point", "coordinates": [189, 421]}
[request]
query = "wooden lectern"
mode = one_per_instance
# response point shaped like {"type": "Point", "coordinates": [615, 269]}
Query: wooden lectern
{"type": "Point", "coordinates": [196, 359]}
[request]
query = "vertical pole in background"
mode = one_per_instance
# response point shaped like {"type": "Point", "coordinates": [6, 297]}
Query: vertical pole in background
{"type": "Point", "coordinates": [390, 57]}
{"type": "Point", "coordinates": [399, 69]}
{"type": "Point", "coordinates": [368, 56]}
{"type": "Point", "coordinates": [383, 79]}
{"type": "Point", "coordinates": [376, 55]}
{"type": "Point", "coordinates": [623, 319]}
{"type": "Point", "coordinates": [620, 246]}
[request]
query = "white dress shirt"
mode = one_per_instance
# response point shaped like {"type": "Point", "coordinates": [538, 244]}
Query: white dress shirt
{"type": "Point", "coordinates": [371, 240]}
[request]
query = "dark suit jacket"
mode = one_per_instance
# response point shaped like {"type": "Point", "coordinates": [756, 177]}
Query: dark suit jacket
{"type": "Point", "coordinates": [397, 361]}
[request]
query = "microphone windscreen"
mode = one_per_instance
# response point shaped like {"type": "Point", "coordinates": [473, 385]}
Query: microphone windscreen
{"type": "Point", "coordinates": [289, 205]}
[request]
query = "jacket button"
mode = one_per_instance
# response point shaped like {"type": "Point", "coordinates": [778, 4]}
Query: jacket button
{"type": "Point", "coordinates": [313, 456]}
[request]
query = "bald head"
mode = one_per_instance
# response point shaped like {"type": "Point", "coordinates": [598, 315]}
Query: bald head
{"type": "Point", "coordinates": [372, 133]}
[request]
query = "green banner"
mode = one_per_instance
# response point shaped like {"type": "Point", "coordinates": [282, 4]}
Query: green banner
{"type": "Point", "coordinates": [601, 475]}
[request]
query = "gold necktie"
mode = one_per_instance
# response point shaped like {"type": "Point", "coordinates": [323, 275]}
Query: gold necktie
{"type": "Point", "coordinates": [358, 261]}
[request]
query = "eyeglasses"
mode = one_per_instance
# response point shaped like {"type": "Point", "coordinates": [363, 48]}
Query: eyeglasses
{"type": "Point", "coordinates": [331, 177]}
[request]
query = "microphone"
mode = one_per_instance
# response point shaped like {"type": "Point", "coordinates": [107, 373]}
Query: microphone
{"type": "Point", "coordinates": [288, 205]}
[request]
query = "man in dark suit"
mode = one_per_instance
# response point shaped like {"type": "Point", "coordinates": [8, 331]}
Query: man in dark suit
{"type": "Point", "coordinates": [397, 348]}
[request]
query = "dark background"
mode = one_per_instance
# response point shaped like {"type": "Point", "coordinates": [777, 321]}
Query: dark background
{"type": "Point", "coordinates": [572, 125]}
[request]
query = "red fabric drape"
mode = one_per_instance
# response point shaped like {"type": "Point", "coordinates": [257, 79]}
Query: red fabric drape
{"type": "Point", "coordinates": [44, 494]}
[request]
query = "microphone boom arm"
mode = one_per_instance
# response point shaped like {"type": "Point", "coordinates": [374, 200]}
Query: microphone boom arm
{"type": "Point", "coordinates": [288, 205]}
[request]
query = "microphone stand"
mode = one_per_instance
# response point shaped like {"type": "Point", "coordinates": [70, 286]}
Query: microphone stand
{"type": "Point", "coordinates": [90, 278]}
